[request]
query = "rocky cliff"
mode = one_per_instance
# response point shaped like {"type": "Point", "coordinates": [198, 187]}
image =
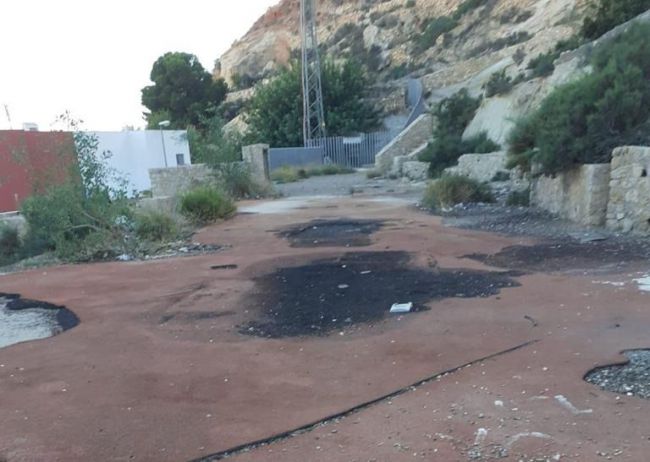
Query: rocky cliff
{"type": "Point", "coordinates": [449, 44]}
{"type": "Point", "coordinates": [396, 37]}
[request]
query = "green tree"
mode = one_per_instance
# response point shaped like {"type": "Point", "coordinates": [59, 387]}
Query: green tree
{"type": "Point", "coordinates": [609, 14]}
{"type": "Point", "coordinates": [274, 115]}
{"type": "Point", "coordinates": [182, 91]}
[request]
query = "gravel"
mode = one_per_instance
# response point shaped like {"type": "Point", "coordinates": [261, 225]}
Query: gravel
{"type": "Point", "coordinates": [632, 379]}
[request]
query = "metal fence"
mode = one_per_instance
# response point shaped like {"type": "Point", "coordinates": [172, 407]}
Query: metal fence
{"type": "Point", "coordinates": [353, 151]}
{"type": "Point", "coordinates": [350, 151]}
{"type": "Point", "coordinates": [295, 157]}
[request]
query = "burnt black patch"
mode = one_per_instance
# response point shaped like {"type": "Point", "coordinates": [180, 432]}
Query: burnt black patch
{"type": "Point", "coordinates": [563, 256]}
{"type": "Point", "coordinates": [360, 287]}
{"type": "Point", "coordinates": [65, 318]}
{"type": "Point", "coordinates": [631, 379]}
{"type": "Point", "coordinates": [332, 233]}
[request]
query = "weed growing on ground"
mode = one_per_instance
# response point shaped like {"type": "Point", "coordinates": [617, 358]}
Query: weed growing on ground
{"type": "Point", "coordinates": [288, 174]}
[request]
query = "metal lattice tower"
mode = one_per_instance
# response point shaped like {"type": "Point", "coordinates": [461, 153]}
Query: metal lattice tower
{"type": "Point", "coordinates": [312, 88]}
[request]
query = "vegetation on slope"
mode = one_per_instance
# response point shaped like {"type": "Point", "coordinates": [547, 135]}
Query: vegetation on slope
{"type": "Point", "coordinates": [583, 121]}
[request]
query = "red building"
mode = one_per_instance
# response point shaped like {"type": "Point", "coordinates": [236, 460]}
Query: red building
{"type": "Point", "coordinates": [32, 161]}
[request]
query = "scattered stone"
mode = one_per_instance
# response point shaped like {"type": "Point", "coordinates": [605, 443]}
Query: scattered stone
{"type": "Point", "coordinates": [632, 379]}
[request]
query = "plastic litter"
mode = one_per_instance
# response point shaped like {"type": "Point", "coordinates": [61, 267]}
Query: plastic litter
{"type": "Point", "coordinates": [402, 307]}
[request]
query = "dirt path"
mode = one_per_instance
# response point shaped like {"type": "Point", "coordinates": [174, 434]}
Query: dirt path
{"type": "Point", "coordinates": [159, 369]}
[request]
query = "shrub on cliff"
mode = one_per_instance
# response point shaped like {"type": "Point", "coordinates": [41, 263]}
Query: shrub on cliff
{"type": "Point", "coordinates": [453, 115]}
{"type": "Point", "coordinates": [609, 14]}
{"type": "Point", "coordinates": [583, 121]}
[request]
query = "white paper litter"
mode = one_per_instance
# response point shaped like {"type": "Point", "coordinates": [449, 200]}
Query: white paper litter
{"type": "Point", "coordinates": [402, 307]}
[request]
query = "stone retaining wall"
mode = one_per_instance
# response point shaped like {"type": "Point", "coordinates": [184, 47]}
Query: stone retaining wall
{"type": "Point", "coordinates": [169, 182]}
{"type": "Point", "coordinates": [580, 195]}
{"type": "Point", "coordinates": [629, 196]}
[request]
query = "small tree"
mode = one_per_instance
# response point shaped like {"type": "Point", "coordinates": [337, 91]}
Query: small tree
{"type": "Point", "coordinates": [182, 91]}
{"type": "Point", "coordinates": [274, 114]}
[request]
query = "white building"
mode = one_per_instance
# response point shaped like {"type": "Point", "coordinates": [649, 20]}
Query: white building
{"type": "Point", "coordinates": [132, 153]}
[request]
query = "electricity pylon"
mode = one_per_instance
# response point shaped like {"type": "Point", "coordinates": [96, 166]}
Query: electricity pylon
{"type": "Point", "coordinates": [312, 88]}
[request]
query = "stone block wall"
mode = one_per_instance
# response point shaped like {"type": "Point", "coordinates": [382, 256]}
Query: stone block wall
{"type": "Point", "coordinates": [580, 195]}
{"type": "Point", "coordinates": [414, 136]}
{"type": "Point", "coordinates": [257, 157]}
{"type": "Point", "coordinates": [170, 182]}
{"type": "Point", "coordinates": [481, 167]}
{"type": "Point", "coordinates": [629, 202]}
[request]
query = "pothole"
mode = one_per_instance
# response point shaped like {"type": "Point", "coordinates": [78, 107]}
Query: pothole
{"type": "Point", "coordinates": [22, 320]}
{"type": "Point", "coordinates": [631, 379]}
{"type": "Point", "coordinates": [360, 287]}
{"type": "Point", "coordinates": [332, 233]}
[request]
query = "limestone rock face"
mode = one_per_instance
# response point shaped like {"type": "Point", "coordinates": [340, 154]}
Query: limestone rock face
{"type": "Point", "coordinates": [482, 167]}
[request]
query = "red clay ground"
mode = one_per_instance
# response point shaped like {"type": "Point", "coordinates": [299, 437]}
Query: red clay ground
{"type": "Point", "coordinates": [126, 385]}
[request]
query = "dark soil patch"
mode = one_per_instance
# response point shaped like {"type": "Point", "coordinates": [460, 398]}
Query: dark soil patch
{"type": "Point", "coordinates": [564, 256]}
{"type": "Point", "coordinates": [360, 287]}
{"type": "Point", "coordinates": [65, 318]}
{"type": "Point", "coordinates": [191, 316]}
{"type": "Point", "coordinates": [332, 233]}
{"type": "Point", "coordinates": [223, 267]}
{"type": "Point", "coordinates": [631, 379]}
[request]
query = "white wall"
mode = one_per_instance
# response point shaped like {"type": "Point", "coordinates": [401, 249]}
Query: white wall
{"type": "Point", "coordinates": [133, 153]}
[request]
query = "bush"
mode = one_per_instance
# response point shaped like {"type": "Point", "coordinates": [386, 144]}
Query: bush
{"type": "Point", "coordinates": [453, 115]}
{"type": "Point", "coordinates": [543, 65]}
{"type": "Point", "coordinates": [519, 198]}
{"type": "Point", "coordinates": [455, 189]}
{"type": "Point", "coordinates": [479, 144]}
{"type": "Point", "coordinates": [582, 122]}
{"type": "Point", "coordinates": [9, 244]}
{"type": "Point", "coordinates": [156, 226]}
{"type": "Point", "coordinates": [498, 84]}
{"type": "Point", "coordinates": [609, 14]}
{"type": "Point", "coordinates": [433, 29]}
{"type": "Point", "coordinates": [87, 218]}
{"type": "Point", "coordinates": [236, 180]}
{"type": "Point", "coordinates": [205, 205]}
{"type": "Point", "coordinates": [286, 174]}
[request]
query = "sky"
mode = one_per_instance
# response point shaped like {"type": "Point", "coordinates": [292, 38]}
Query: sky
{"type": "Point", "coordinates": [92, 57]}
